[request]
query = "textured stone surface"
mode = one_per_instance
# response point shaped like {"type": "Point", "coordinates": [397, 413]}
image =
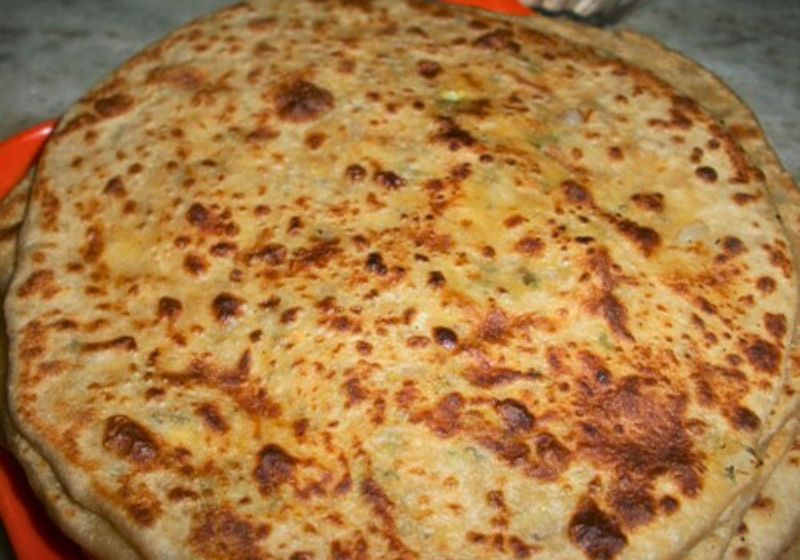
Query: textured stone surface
{"type": "Point", "coordinates": [754, 46]}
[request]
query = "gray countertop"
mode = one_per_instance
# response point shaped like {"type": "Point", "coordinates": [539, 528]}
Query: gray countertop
{"type": "Point", "coordinates": [53, 50]}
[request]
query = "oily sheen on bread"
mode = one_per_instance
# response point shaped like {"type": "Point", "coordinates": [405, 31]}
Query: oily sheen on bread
{"type": "Point", "coordinates": [739, 122]}
{"type": "Point", "coordinates": [378, 279]}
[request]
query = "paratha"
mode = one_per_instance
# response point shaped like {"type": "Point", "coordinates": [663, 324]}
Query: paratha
{"type": "Point", "coordinates": [433, 336]}
{"type": "Point", "coordinates": [94, 534]}
{"type": "Point", "coordinates": [739, 121]}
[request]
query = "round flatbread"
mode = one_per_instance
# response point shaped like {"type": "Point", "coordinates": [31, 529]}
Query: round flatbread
{"type": "Point", "coordinates": [387, 279]}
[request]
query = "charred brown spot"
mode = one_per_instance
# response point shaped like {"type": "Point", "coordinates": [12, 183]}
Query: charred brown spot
{"type": "Point", "coordinates": [125, 343]}
{"type": "Point", "coordinates": [417, 341]}
{"type": "Point", "coordinates": [445, 418]}
{"type": "Point", "coordinates": [355, 173]}
{"type": "Point", "coordinates": [615, 153]}
{"type": "Point", "coordinates": [495, 327]}
{"type": "Point", "coordinates": [775, 323]}
{"type": "Point", "coordinates": [289, 316]}
{"type": "Point", "coordinates": [127, 439]}
{"type": "Point", "coordinates": [633, 504]}
{"type": "Point", "coordinates": [453, 135]}
{"type": "Point", "coordinates": [375, 264]}
{"type": "Point", "coordinates": [779, 259]}
{"type": "Point", "coordinates": [576, 193]}
{"type": "Point", "coordinates": [211, 416]}
{"type": "Point", "coordinates": [669, 504]}
{"type": "Point", "coordinates": [653, 202]}
{"type": "Point", "coordinates": [595, 532]}
{"type": "Point", "coordinates": [654, 442]}
{"type": "Point", "coordinates": [389, 180]}
{"type": "Point", "coordinates": [273, 254]}
{"type": "Point", "coordinates": [295, 224]}
{"type": "Point", "coordinates": [707, 174]}
{"type": "Point", "coordinates": [513, 451]}
{"type": "Point", "coordinates": [314, 140]}
{"type": "Point", "coordinates": [274, 467]}
{"type": "Point", "coordinates": [439, 243]}
{"type": "Point", "coordinates": [354, 391]}
{"type": "Point", "coordinates": [552, 457]}
{"type": "Point", "coordinates": [181, 76]}
{"type": "Point", "coordinates": [436, 279]}
{"type": "Point", "coordinates": [744, 419]}
{"type": "Point", "coordinates": [647, 239]}
{"type": "Point", "coordinates": [195, 264]}
{"type": "Point", "coordinates": [429, 68]}
{"type": "Point", "coordinates": [363, 347]}
{"type": "Point", "coordinates": [520, 549]}
{"type": "Point", "coordinates": [318, 255]}
{"type": "Point", "coordinates": [197, 215]}
{"type": "Point", "coordinates": [515, 415]}
{"type": "Point", "coordinates": [485, 377]}
{"type": "Point", "coordinates": [764, 356]}
{"type": "Point", "coordinates": [218, 534]}
{"type": "Point", "coordinates": [142, 506]}
{"type": "Point", "coordinates": [179, 493]}
{"type": "Point", "coordinates": [706, 305]}
{"type": "Point", "coordinates": [169, 308]}
{"type": "Point", "coordinates": [357, 549]}
{"type": "Point", "coordinates": [742, 198]}
{"type": "Point", "coordinates": [261, 134]}
{"type": "Point", "coordinates": [115, 187]}
{"type": "Point", "coordinates": [41, 283]}
{"type": "Point", "coordinates": [377, 499]}
{"type": "Point", "coordinates": [114, 105]}
{"type": "Point", "coordinates": [227, 307]}
{"type": "Point", "coordinates": [733, 246]}
{"type": "Point", "coordinates": [500, 39]}
{"type": "Point", "coordinates": [514, 220]}
{"type": "Point", "coordinates": [300, 428]}
{"type": "Point", "coordinates": [615, 314]}
{"type": "Point", "coordinates": [95, 244]}
{"type": "Point", "coordinates": [445, 338]}
{"type": "Point", "coordinates": [764, 503]}
{"type": "Point", "coordinates": [302, 101]}
{"type": "Point", "coordinates": [530, 246]}
{"type": "Point", "coordinates": [460, 172]}
{"type": "Point", "coordinates": [222, 249]}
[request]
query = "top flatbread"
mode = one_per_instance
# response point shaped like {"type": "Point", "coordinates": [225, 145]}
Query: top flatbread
{"type": "Point", "coordinates": [386, 289]}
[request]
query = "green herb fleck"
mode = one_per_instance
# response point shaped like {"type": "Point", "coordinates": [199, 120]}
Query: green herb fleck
{"type": "Point", "coordinates": [605, 342]}
{"type": "Point", "coordinates": [474, 453]}
{"type": "Point", "coordinates": [390, 475]}
{"type": "Point", "coordinates": [528, 278]}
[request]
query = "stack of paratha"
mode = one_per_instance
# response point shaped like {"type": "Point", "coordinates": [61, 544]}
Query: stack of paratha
{"type": "Point", "coordinates": [388, 279]}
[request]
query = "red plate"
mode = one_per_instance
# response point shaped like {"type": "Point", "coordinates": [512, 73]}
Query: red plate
{"type": "Point", "coordinates": [31, 532]}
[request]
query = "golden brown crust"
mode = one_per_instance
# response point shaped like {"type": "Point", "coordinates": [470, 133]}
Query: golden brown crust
{"type": "Point", "coordinates": [760, 541]}
{"type": "Point", "coordinates": [320, 271]}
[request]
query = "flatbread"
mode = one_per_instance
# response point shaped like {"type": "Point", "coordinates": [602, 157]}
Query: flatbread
{"type": "Point", "coordinates": [774, 519]}
{"type": "Point", "coordinates": [126, 457]}
{"type": "Point", "coordinates": [740, 122]}
{"type": "Point", "coordinates": [94, 533]}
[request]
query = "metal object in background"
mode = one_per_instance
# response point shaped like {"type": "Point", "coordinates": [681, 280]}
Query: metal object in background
{"type": "Point", "coordinates": [598, 12]}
